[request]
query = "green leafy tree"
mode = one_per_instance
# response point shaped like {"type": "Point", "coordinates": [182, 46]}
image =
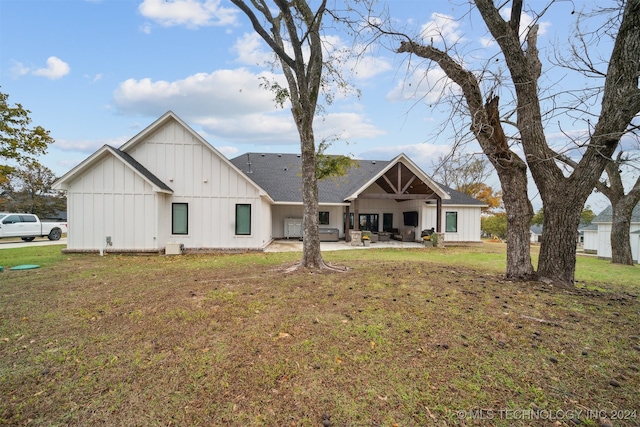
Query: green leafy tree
{"type": "Point", "coordinates": [495, 225]}
{"type": "Point", "coordinates": [28, 189]}
{"type": "Point", "coordinates": [19, 142]}
{"type": "Point", "coordinates": [331, 166]}
{"type": "Point", "coordinates": [586, 216]}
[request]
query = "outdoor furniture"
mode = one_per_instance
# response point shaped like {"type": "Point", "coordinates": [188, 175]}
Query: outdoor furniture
{"type": "Point", "coordinates": [384, 236]}
{"type": "Point", "coordinates": [329, 234]}
{"type": "Point", "coordinates": [406, 235]}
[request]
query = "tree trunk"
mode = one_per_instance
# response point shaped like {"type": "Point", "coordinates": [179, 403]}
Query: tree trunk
{"type": "Point", "coordinates": [622, 210]}
{"type": "Point", "coordinates": [564, 197]}
{"type": "Point", "coordinates": [620, 228]}
{"type": "Point", "coordinates": [519, 213]}
{"type": "Point", "coordinates": [557, 260]}
{"type": "Point", "coordinates": [512, 172]}
{"type": "Point", "coordinates": [511, 169]}
{"type": "Point", "coordinates": [311, 255]}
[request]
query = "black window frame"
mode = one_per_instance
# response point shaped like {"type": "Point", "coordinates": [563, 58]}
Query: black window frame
{"type": "Point", "coordinates": [241, 232]}
{"type": "Point", "coordinates": [452, 214]}
{"type": "Point", "coordinates": [320, 215]}
{"type": "Point", "coordinates": [173, 219]}
{"type": "Point", "coordinates": [387, 221]}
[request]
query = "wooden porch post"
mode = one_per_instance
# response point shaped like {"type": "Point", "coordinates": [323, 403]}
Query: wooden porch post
{"type": "Point", "coordinates": [438, 214]}
{"type": "Point", "coordinates": [356, 213]}
{"type": "Point", "coordinates": [347, 225]}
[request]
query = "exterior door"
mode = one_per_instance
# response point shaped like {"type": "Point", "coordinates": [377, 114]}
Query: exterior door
{"type": "Point", "coordinates": [369, 222]}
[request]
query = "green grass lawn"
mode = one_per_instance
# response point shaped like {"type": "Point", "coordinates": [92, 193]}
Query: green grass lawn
{"type": "Point", "coordinates": [403, 337]}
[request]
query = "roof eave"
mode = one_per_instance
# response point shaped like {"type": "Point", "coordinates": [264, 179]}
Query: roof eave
{"type": "Point", "coordinates": [413, 167]}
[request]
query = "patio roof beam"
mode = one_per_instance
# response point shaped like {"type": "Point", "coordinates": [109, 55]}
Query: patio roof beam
{"type": "Point", "coordinates": [408, 184]}
{"type": "Point", "coordinates": [395, 190]}
{"type": "Point", "coordinates": [394, 196]}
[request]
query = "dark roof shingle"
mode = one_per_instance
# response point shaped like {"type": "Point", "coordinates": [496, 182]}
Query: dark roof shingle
{"type": "Point", "coordinates": [280, 175]}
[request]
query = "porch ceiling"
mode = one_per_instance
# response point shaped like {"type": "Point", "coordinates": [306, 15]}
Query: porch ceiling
{"type": "Point", "coordinates": [400, 183]}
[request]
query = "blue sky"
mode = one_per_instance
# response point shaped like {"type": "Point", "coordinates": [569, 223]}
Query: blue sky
{"type": "Point", "coordinates": [98, 72]}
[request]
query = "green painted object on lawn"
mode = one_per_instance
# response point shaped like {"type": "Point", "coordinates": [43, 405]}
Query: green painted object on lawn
{"type": "Point", "coordinates": [25, 267]}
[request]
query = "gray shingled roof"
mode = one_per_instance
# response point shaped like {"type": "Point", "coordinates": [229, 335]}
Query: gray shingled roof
{"type": "Point", "coordinates": [144, 171]}
{"type": "Point", "coordinates": [607, 215]}
{"type": "Point", "coordinates": [280, 176]}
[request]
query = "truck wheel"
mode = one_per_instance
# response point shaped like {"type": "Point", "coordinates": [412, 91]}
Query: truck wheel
{"type": "Point", "coordinates": [55, 234]}
{"type": "Point", "coordinates": [28, 239]}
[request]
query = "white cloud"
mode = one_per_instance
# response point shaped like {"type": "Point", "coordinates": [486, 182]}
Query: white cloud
{"type": "Point", "coordinates": [251, 50]}
{"type": "Point", "coordinates": [441, 29]}
{"type": "Point", "coordinates": [429, 85]}
{"type": "Point", "coordinates": [423, 154]}
{"type": "Point", "coordinates": [190, 13]}
{"type": "Point", "coordinates": [87, 145]}
{"type": "Point", "coordinates": [346, 127]}
{"type": "Point", "coordinates": [19, 69]}
{"type": "Point", "coordinates": [228, 151]}
{"type": "Point", "coordinates": [526, 21]}
{"type": "Point", "coordinates": [230, 105]}
{"type": "Point", "coordinates": [487, 42]}
{"type": "Point", "coordinates": [94, 79]}
{"type": "Point", "coordinates": [145, 28]}
{"type": "Point", "coordinates": [222, 93]}
{"type": "Point", "coordinates": [55, 69]}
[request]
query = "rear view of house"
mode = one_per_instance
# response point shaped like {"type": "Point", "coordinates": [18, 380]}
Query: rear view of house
{"type": "Point", "coordinates": [168, 187]}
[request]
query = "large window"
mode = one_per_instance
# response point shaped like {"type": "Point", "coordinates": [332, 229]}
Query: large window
{"type": "Point", "coordinates": [179, 218]}
{"type": "Point", "coordinates": [369, 222]}
{"type": "Point", "coordinates": [387, 221]}
{"type": "Point", "coordinates": [323, 218]}
{"type": "Point", "coordinates": [365, 221]}
{"type": "Point", "coordinates": [243, 220]}
{"type": "Point", "coordinates": [452, 222]}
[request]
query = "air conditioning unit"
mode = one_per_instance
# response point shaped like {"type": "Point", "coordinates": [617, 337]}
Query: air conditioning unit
{"type": "Point", "coordinates": [174, 249]}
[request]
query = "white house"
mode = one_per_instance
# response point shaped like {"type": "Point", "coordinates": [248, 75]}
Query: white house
{"type": "Point", "coordinates": [167, 185]}
{"type": "Point", "coordinates": [597, 237]}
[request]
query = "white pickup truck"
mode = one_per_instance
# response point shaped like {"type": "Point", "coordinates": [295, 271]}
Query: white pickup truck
{"type": "Point", "coordinates": [28, 227]}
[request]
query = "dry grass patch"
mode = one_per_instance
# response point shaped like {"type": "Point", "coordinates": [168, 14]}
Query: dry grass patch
{"type": "Point", "coordinates": [232, 340]}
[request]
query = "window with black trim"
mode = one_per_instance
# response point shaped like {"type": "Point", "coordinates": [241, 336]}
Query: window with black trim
{"type": "Point", "coordinates": [243, 219]}
{"type": "Point", "coordinates": [451, 222]}
{"type": "Point", "coordinates": [323, 217]}
{"type": "Point", "coordinates": [179, 218]}
{"type": "Point", "coordinates": [387, 221]}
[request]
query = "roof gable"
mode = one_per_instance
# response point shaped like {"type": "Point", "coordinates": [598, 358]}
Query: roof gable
{"type": "Point", "coordinates": [127, 160]}
{"type": "Point", "coordinates": [123, 154]}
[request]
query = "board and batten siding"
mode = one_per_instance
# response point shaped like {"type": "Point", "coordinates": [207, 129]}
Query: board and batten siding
{"type": "Point", "coordinates": [111, 200]}
{"type": "Point", "coordinates": [282, 212]}
{"type": "Point", "coordinates": [469, 229]}
{"type": "Point", "coordinates": [211, 187]}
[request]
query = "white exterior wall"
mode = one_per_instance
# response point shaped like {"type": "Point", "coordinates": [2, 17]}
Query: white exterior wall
{"type": "Point", "coordinates": [281, 212]}
{"type": "Point", "coordinates": [208, 183]}
{"type": "Point", "coordinates": [112, 200]}
{"type": "Point", "coordinates": [590, 240]}
{"type": "Point", "coordinates": [603, 244]}
{"type": "Point", "coordinates": [265, 232]}
{"type": "Point", "coordinates": [603, 241]}
{"type": "Point", "coordinates": [469, 229]}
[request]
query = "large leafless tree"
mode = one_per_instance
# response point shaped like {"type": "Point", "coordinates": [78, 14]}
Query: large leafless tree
{"type": "Point", "coordinates": [292, 30]}
{"type": "Point", "coordinates": [563, 195]}
{"type": "Point", "coordinates": [622, 206]}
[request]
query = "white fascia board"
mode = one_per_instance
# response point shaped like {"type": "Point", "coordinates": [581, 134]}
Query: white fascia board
{"type": "Point", "coordinates": [413, 168]}
{"type": "Point", "coordinates": [60, 183]}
